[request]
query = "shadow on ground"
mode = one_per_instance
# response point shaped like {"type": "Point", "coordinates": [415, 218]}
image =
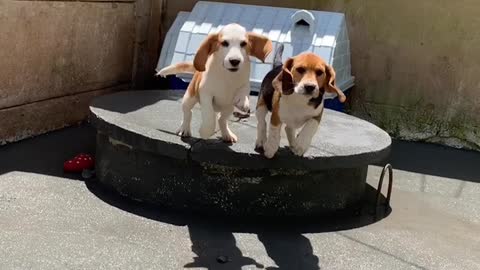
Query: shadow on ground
{"type": "Point", "coordinates": [46, 153]}
{"type": "Point", "coordinates": [436, 160]}
{"type": "Point", "coordinates": [213, 239]}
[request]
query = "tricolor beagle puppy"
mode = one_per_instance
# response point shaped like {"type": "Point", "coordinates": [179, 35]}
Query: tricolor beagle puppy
{"type": "Point", "coordinates": [221, 78]}
{"type": "Point", "coordinates": [293, 93]}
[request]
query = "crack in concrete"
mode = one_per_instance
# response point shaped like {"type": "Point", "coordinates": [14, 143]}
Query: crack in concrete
{"type": "Point", "coordinates": [382, 251]}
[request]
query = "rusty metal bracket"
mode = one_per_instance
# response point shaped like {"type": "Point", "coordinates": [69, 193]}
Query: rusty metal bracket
{"type": "Point", "coordinates": [379, 189]}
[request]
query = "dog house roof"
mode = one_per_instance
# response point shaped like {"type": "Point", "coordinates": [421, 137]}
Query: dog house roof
{"type": "Point", "coordinates": [323, 33]}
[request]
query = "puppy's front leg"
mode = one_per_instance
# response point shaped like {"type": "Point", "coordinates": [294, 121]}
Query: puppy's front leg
{"type": "Point", "coordinates": [261, 113]}
{"type": "Point", "coordinates": [290, 135]}
{"type": "Point", "coordinates": [304, 138]}
{"type": "Point", "coordinates": [207, 128]}
{"type": "Point", "coordinates": [187, 104]}
{"type": "Point", "coordinates": [227, 134]}
{"type": "Point", "coordinates": [273, 140]}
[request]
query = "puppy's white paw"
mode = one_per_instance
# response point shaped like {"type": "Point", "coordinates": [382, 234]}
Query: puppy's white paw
{"type": "Point", "coordinates": [206, 132]}
{"type": "Point", "coordinates": [229, 137]}
{"type": "Point", "coordinates": [269, 149]}
{"type": "Point", "coordinates": [299, 149]}
{"type": "Point", "coordinates": [259, 143]}
{"type": "Point", "coordinates": [183, 131]}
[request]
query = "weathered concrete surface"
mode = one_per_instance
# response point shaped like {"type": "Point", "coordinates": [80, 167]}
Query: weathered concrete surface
{"type": "Point", "coordinates": [209, 188]}
{"type": "Point", "coordinates": [140, 156]}
{"type": "Point", "coordinates": [415, 63]}
{"type": "Point", "coordinates": [50, 221]}
{"type": "Point", "coordinates": [56, 55]}
{"type": "Point", "coordinates": [21, 122]}
{"type": "Point", "coordinates": [55, 49]}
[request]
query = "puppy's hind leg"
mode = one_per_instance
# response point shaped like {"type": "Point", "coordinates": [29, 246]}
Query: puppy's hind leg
{"type": "Point", "coordinates": [187, 104]}
{"type": "Point", "coordinates": [261, 114]}
{"type": "Point", "coordinates": [241, 99]}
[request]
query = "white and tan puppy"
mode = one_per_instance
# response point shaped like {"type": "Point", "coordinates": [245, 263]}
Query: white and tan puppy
{"type": "Point", "coordinates": [221, 78]}
{"type": "Point", "coordinates": [293, 93]}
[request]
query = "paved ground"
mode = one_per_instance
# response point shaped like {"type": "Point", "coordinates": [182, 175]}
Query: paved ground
{"type": "Point", "coordinates": [53, 221]}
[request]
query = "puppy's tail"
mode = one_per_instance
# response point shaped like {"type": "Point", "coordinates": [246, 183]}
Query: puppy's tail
{"type": "Point", "coordinates": [277, 59]}
{"type": "Point", "coordinates": [182, 67]}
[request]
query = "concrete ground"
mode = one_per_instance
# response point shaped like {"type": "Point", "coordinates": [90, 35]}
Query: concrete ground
{"type": "Point", "coordinates": [49, 220]}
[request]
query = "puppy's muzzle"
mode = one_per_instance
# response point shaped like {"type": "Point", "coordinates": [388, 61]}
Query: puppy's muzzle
{"type": "Point", "coordinates": [309, 88]}
{"type": "Point", "coordinates": [234, 62]}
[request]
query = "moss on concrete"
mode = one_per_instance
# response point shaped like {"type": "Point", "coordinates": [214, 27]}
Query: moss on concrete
{"type": "Point", "coordinates": [421, 123]}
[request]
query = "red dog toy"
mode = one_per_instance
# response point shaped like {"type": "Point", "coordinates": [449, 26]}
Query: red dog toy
{"type": "Point", "coordinates": [79, 163]}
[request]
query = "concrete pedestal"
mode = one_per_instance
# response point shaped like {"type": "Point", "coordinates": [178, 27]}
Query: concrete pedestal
{"type": "Point", "coordinates": [140, 156]}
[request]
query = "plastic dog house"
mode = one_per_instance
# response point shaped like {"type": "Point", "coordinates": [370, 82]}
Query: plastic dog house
{"type": "Point", "coordinates": [323, 33]}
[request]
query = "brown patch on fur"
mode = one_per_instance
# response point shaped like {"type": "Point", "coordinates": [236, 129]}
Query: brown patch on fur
{"type": "Point", "coordinates": [208, 46]}
{"type": "Point", "coordinates": [261, 102]}
{"type": "Point", "coordinates": [330, 86]}
{"type": "Point", "coordinates": [194, 85]}
{"type": "Point", "coordinates": [306, 68]}
{"type": "Point", "coordinates": [259, 46]}
{"type": "Point", "coordinates": [275, 118]}
{"type": "Point", "coordinates": [277, 83]}
{"type": "Point", "coordinates": [285, 77]}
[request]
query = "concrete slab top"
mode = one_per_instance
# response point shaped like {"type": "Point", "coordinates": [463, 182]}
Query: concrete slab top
{"type": "Point", "coordinates": [148, 120]}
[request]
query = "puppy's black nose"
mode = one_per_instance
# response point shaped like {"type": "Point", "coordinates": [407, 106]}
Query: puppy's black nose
{"type": "Point", "coordinates": [309, 88]}
{"type": "Point", "coordinates": [234, 62]}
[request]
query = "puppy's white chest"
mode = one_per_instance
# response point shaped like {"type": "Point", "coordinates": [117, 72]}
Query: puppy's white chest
{"type": "Point", "coordinates": [222, 95]}
{"type": "Point", "coordinates": [294, 110]}
{"type": "Point", "coordinates": [224, 87]}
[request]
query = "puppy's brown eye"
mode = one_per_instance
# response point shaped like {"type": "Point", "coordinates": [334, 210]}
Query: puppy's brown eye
{"type": "Point", "coordinates": [301, 70]}
{"type": "Point", "coordinates": [319, 72]}
{"type": "Point", "coordinates": [243, 44]}
{"type": "Point", "coordinates": [225, 43]}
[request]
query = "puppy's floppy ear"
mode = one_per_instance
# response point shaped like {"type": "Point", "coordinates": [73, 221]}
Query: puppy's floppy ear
{"type": "Point", "coordinates": [259, 46]}
{"type": "Point", "coordinates": [208, 46]}
{"type": "Point", "coordinates": [330, 84]}
{"type": "Point", "coordinates": [286, 77]}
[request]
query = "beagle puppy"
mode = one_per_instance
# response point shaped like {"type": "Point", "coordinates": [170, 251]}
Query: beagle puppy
{"type": "Point", "coordinates": [293, 93]}
{"type": "Point", "coordinates": [221, 78]}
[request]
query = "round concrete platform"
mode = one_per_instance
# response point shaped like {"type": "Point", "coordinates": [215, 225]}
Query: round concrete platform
{"type": "Point", "coordinates": [139, 155]}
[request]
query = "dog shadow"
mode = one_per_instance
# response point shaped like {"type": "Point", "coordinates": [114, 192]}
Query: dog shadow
{"type": "Point", "coordinates": [216, 249]}
{"type": "Point", "coordinates": [213, 238]}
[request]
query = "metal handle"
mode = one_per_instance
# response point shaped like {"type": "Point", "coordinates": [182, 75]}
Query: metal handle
{"type": "Point", "coordinates": [380, 184]}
